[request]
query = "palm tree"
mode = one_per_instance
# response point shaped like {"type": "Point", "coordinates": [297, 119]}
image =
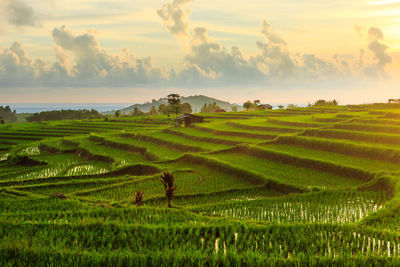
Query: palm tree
{"type": "Point", "coordinates": [138, 198]}
{"type": "Point", "coordinates": [168, 180]}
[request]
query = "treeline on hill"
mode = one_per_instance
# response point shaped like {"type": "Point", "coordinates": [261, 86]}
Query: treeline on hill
{"type": "Point", "coordinates": [69, 114]}
{"type": "Point", "coordinates": [256, 105]}
{"type": "Point", "coordinates": [392, 103]}
{"type": "Point", "coordinates": [322, 103]}
{"type": "Point", "coordinates": [174, 107]}
{"type": "Point", "coordinates": [211, 108]}
{"type": "Point", "coordinates": [7, 115]}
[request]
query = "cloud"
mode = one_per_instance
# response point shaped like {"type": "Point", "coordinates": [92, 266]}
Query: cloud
{"type": "Point", "coordinates": [92, 63]}
{"type": "Point", "coordinates": [270, 36]}
{"type": "Point", "coordinates": [175, 17]}
{"type": "Point", "coordinates": [360, 30]}
{"type": "Point", "coordinates": [274, 58]}
{"type": "Point", "coordinates": [82, 62]}
{"type": "Point", "coordinates": [20, 14]}
{"type": "Point", "coordinates": [209, 59]}
{"type": "Point", "coordinates": [16, 68]}
{"type": "Point", "coordinates": [379, 50]}
{"type": "Point", "coordinates": [375, 34]}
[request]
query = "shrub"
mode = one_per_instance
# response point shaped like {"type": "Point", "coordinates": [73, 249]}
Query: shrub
{"type": "Point", "coordinates": [168, 180]}
{"type": "Point", "coordinates": [138, 201]}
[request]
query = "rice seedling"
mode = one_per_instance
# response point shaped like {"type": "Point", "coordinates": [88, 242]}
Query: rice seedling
{"type": "Point", "coordinates": [298, 187]}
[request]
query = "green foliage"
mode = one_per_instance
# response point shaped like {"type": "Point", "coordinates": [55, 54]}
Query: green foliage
{"type": "Point", "coordinates": [296, 187]}
{"type": "Point", "coordinates": [210, 108]}
{"type": "Point", "coordinates": [322, 103]}
{"type": "Point", "coordinates": [7, 115]}
{"type": "Point", "coordinates": [64, 115]}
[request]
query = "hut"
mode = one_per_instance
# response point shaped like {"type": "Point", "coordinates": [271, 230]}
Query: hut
{"type": "Point", "coordinates": [264, 107]}
{"type": "Point", "coordinates": [188, 119]}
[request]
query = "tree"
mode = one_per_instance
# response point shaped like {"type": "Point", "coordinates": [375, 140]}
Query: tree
{"type": "Point", "coordinates": [136, 112]}
{"type": "Point", "coordinates": [174, 100]}
{"type": "Point", "coordinates": [185, 108]}
{"type": "Point", "coordinates": [117, 113]}
{"type": "Point", "coordinates": [168, 180]}
{"type": "Point", "coordinates": [247, 105]}
{"type": "Point", "coordinates": [7, 114]}
{"type": "Point", "coordinates": [153, 110]}
{"type": "Point", "coordinates": [280, 106]}
{"type": "Point", "coordinates": [234, 109]}
{"type": "Point", "coordinates": [2, 121]}
{"type": "Point", "coordinates": [210, 108]}
{"type": "Point", "coordinates": [162, 109]}
{"type": "Point", "coordinates": [56, 115]}
{"type": "Point", "coordinates": [289, 106]}
{"type": "Point", "coordinates": [138, 201]}
{"type": "Point", "coordinates": [257, 102]}
{"type": "Point", "coordinates": [323, 102]}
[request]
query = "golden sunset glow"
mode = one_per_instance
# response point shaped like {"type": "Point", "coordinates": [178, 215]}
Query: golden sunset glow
{"type": "Point", "coordinates": [139, 47]}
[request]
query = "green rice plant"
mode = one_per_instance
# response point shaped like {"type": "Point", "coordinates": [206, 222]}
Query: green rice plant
{"type": "Point", "coordinates": [4, 155]}
{"type": "Point", "coordinates": [344, 147]}
{"type": "Point", "coordinates": [263, 126]}
{"type": "Point", "coordinates": [331, 198]}
{"type": "Point", "coordinates": [287, 173]}
{"type": "Point", "coordinates": [65, 187]}
{"type": "Point", "coordinates": [157, 151]}
{"type": "Point", "coordinates": [377, 128]}
{"type": "Point", "coordinates": [223, 129]}
{"type": "Point", "coordinates": [203, 145]}
{"type": "Point", "coordinates": [325, 207]}
{"type": "Point", "coordinates": [336, 158]}
{"type": "Point", "coordinates": [236, 194]}
{"type": "Point", "coordinates": [384, 139]}
{"type": "Point", "coordinates": [197, 133]}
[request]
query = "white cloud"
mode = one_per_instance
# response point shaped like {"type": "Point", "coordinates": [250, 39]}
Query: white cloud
{"type": "Point", "coordinates": [176, 17]}
{"type": "Point", "coordinates": [379, 50]}
{"type": "Point", "coordinates": [82, 62]}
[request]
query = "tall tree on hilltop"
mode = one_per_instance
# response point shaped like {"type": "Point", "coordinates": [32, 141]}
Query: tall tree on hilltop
{"type": "Point", "coordinates": [174, 101]}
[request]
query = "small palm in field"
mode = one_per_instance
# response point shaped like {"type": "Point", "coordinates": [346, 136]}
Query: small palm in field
{"type": "Point", "coordinates": [138, 198]}
{"type": "Point", "coordinates": [168, 180]}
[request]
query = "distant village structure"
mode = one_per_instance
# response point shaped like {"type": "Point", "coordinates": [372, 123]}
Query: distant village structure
{"type": "Point", "coordinates": [188, 119]}
{"type": "Point", "coordinates": [394, 101]}
{"type": "Point", "coordinates": [264, 107]}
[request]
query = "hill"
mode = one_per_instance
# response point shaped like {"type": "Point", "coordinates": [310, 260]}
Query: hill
{"type": "Point", "coordinates": [196, 101]}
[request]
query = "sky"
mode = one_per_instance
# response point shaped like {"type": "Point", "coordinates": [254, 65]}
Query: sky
{"type": "Point", "coordinates": [131, 51]}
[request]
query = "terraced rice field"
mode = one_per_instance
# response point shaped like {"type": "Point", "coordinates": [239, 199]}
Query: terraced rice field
{"type": "Point", "coordinates": [305, 186]}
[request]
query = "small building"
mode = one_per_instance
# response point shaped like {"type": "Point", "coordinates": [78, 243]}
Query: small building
{"type": "Point", "coordinates": [220, 110]}
{"type": "Point", "coordinates": [394, 101]}
{"type": "Point", "coordinates": [264, 107]}
{"type": "Point", "coordinates": [188, 119]}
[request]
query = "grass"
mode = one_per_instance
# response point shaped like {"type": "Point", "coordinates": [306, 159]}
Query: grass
{"type": "Point", "coordinates": [299, 187]}
{"type": "Point", "coordinates": [355, 162]}
{"type": "Point", "coordinates": [324, 207]}
{"type": "Point", "coordinates": [285, 173]}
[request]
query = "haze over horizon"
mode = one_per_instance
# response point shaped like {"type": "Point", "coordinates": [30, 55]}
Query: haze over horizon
{"type": "Point", "coordinates": [96, 51]}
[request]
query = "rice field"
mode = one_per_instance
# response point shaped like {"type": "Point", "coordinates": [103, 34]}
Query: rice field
{"type": "Point", "coordinates": [288, 187]}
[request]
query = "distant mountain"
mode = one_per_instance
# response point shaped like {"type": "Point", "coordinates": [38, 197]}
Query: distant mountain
{"type": "Point", "coordinates": [196, 101]}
